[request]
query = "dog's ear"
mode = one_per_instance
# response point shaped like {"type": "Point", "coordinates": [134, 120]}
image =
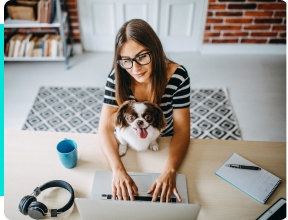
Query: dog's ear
{"type": "Point", "coordinates": [120, 118]}
{"type": "Point", "coordinates": [159, 119]}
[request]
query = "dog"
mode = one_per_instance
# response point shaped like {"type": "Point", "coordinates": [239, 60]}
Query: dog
{"type": "Point", "coordinates": [138, 124]}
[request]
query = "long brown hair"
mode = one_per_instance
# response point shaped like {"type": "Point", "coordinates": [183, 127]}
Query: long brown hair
{"type": "Point", "coordinates": [141, 32]}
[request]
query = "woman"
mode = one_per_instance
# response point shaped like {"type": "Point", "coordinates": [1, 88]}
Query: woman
{"type": "Point", "coordinates": [142, 72]}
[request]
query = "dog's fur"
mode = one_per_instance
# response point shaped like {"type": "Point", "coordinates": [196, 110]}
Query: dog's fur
{"type": "Point", "coordinates": [138, 124]}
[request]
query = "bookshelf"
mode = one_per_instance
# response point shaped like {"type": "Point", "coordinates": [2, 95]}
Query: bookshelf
{"type": "Point", "coordinates": [60, 23]}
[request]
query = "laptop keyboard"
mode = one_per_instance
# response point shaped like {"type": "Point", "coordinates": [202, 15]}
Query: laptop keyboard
{"type": "Point", "coordinates": [137, 198]}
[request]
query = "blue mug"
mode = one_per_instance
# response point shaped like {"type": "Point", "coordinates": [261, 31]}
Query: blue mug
{"type": "Point", "coordinates": [67, 152]}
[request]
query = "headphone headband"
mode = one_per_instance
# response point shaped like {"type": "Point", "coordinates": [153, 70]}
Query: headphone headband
{"type": "Point", "coordinates": [62, 184]}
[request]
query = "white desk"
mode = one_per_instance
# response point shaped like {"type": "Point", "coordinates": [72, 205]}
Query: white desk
{"type": "Point", "coordinates": [31, 160]}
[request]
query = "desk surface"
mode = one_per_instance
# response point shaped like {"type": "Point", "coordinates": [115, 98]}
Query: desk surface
{"type": "Point", "coordinates": [31, 160]}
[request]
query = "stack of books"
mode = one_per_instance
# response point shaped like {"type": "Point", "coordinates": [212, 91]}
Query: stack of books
{"type": "Point", "coordinates": [46, 11]}
{"type": "Point", "coordinates": [29, 45]}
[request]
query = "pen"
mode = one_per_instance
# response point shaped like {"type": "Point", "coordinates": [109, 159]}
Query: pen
{"type": "Point", "coordinates": [243, 167]}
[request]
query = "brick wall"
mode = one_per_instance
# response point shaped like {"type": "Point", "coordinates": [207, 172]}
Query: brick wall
{"type": "Point", "coordinates": [245, 21]}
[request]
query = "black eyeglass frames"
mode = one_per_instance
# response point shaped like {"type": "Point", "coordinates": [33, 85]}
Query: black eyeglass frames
{"type": "Point", "coordinates": [142, 59]}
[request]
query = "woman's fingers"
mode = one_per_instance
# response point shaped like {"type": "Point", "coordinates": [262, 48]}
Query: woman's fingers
{"type": "Point", "coordinates": [156, 193]}
{"type": "Point", "coordinates": [168, 195]}
{"type": "Point", "coordinates": [114, 191]}
{"type": "Point", "coordinates": [175, 191]}
{"type": "Point", "coordinates": [164, 190]}
{"type": "Point", "coordinates": [135, 189]}
{"type": "Point", "coordinates": [132, 189]}
{"type": "Point", "coordinates": [124, 191]}
{"type": "Point", "coordinates": [124, 188]}
{"type": "Point", "coordinates": [152, 188]}
{"type": "Point", "coordinates": [130, 192]}
{"type": "Point", "coordinates": [163, 193]}
{"type": "Point", "coordinates": [119, 192]}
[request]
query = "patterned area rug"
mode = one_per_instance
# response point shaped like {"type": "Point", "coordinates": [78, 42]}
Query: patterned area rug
{"type": "Point", "coordinates": [75, 109]}
{"type": "Point", "coordinates": [212, 116]}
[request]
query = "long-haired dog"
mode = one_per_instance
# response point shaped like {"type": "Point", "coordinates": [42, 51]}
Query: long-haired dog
{"type": "Point", "coordinates": [138, 124]}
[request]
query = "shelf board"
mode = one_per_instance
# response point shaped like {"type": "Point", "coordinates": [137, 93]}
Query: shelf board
{"type": "Point", "coordinates": [34, 58]}
{"type": "Point", "coordinates": [10, 23]}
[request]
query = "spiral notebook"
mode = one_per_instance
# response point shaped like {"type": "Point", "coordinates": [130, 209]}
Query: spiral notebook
{"type": "Point", "coordinates": [259, 184]}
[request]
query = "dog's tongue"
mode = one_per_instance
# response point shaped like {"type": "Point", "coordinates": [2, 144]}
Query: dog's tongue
{"type": "Point", "coordinates": [142, 132]}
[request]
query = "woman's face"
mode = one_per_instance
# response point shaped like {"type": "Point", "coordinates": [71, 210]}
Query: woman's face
{"type": "Point", "coordinates": [141, 73]}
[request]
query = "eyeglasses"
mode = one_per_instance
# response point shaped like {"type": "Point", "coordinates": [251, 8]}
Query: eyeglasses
{"type": "Point", "coordinates": [142, 59]}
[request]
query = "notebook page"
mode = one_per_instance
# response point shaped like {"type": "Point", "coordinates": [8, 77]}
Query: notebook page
{"type": "Point", "coordinates": [259, 184]}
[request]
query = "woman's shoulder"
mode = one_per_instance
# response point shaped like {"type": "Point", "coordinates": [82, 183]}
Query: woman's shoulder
{"type": "Point", "coordinates": [112, 74]}
{"type": "Point", "coordinates": [111, 78]}
{"type": "Point", "coordinates": [171, 68]}
{"type": "Point", "coordinates": [178, 72]}
{"type": "Point", "coordinates": [175, 68]}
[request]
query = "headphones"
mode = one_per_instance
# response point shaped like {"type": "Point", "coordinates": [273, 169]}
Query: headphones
{"type": "Point", "coordinates": [37, 210]}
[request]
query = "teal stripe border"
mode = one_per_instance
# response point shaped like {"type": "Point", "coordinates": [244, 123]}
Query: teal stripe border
{"type": "Point", "coordinates": [2, 111]}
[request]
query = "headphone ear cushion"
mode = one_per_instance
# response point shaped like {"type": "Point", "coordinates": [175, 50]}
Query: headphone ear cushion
{"type": "Point", "coordinates": [25, 203]}
{"type": "Point", "coordinates": [37, 210]}
{"type": "Point", "coordinates": [38, 204]}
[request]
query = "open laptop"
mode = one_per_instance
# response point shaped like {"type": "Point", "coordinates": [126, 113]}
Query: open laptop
{"type": "Point", "coordinates": [102, 206]}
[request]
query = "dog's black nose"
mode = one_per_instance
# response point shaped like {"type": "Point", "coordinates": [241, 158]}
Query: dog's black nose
{"type": "Point", "coordinates": [140, 122]}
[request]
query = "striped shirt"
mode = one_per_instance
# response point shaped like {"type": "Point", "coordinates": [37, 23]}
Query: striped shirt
{"type": "Point", "coordinates": [176, 95]}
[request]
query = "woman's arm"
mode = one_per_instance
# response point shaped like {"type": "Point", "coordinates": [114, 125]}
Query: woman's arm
{"type": "Point", "coordinates": [165, 184]}
{"type": "Point", "coordinates": [121, 182]}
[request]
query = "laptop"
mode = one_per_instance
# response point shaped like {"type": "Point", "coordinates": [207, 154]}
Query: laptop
{"type": "Point", "coordinates": [102, 206]}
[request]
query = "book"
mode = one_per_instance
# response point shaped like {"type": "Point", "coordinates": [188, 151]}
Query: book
{"type": "Point", "coordinates": [48, 45]}
{"type": "Point", "coordinates": [53, 11]}
{"type": "Point", "coordinates": [46, 11]}
{"type": "Point", "coordinates": [41, 11]}
{"type": "Point", "coordinates": [49, 11]}
{"type": "Point", "coordinates": [18, 42]}
{"type": "Point", "coordinates": [23, 45]}
{"type": "Point", "coordinates": [54, 45]}
{"type": "Point", "coordinates": [26, 42]}
{"type": "Point", "coordinates": [6, 49]}
{"type": "Point", "coordinates": [30, 46]}
{"type": "Point", "coordinates": [259, 184]}
{"type": "Point", "coordinates": [11, 45]}
{"type": "Point", "coordinates": [60, 52]}
{"type": "Point", "coordinates": [44, 44]}
{"type": "Point", "coordinates": [37, 51]}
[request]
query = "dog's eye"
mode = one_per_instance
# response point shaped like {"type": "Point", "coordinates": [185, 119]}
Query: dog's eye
{"type": "Point", "coordinates": [147, 117]}
{"type": "Point", "coordinates": [131, 118]}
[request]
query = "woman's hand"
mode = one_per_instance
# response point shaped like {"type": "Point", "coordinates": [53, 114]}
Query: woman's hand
{"type": "Point", "coordinates": [123, 186]}
{"type": "Point", "coordinates": [165, 185]}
